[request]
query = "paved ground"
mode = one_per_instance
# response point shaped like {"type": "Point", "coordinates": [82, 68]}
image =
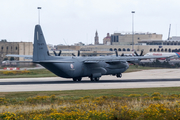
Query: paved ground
{"type": "Point", "coordinates": [140, 79]}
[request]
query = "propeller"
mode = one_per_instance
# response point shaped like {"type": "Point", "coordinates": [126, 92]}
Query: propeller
{"type": "Point", "coordinates": [116, 53]}
{"type": "Point", "coordinates": [141, 54]}
{"type": "Point", "coordinates": [73, 54]}
{"type": "Point", "coordinates": [55, 53]}
{"type": "Point", "coordinates": [48, 53]}
{"type": "Point", "coordinates": [78, 53]}
{"type": "Point", "coordinates": [136, 53]}
{"type": "Point", "coordinates": [58, 53]}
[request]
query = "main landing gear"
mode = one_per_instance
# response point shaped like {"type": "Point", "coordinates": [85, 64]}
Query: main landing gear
{"type": "Point", "coordinates": [119, 75]}
{"type": "Point", "coordinates": [94, 79]}
{"type": "Point", "coordinates": [77, 79]}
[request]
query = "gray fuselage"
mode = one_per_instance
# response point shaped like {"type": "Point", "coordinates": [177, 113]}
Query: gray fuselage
{"type": "Point", "coordinates": [75, 67]}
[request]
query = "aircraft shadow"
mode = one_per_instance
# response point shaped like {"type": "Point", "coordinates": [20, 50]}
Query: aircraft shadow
{"type": "Point", "coordinates": [86, 81]}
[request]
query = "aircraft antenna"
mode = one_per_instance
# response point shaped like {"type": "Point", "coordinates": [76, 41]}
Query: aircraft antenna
{"type": "Point", "coordinates": [169, 31]}
{"type": "Point", "coordinates": [39, 8]}
{"type": "Point", "coordinates": [65, 41]}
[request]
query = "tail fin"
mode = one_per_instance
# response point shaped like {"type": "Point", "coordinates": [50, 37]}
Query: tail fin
{"type": "Point", "coordinates": [40, 51]}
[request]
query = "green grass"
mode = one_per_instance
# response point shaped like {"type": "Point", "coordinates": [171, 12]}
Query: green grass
{"type": "Point", "coordinates": [134, 68]}
{"type": "Point", "coordinates": [33, 74]}
{"type": "Point", "coordinates": [75, 94]}
{"type": "Point", "coordinates": [47, 73]}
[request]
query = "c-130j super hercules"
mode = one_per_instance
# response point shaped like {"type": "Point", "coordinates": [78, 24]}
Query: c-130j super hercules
{"type": "Point", "coordinates": [76, 67]}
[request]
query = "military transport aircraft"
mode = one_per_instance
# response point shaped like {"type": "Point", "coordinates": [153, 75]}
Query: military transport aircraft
{"type": "Point", "coordinates": [76, 67]}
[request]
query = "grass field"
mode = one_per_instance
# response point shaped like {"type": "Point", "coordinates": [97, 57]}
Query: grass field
{"type": "Point", "coordinates": [29, 74]}
{"type": "Point", "coordinates": [114, 104]}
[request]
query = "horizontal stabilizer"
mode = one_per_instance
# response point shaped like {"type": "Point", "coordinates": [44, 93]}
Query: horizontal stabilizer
{"type": "Point", "coordinates": [21, 61]}
{"type": "Point", "coordinates": [24, 56]}
{"type": "Point", "coordinates": [53, 61]}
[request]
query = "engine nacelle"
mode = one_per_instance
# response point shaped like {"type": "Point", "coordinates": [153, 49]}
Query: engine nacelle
{"type": "Point", "coordinates": [96, 75]}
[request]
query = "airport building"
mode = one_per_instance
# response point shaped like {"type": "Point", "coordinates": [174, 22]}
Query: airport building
{"type": "Point", "coordinates": [20, 48]}
{"type": "Point", "coordinates": [149, 42]}
{"type": "Point", "coordinates": [126, 39]}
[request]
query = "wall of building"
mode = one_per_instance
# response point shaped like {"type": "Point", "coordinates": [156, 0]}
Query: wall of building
{"type": "Point", "coordinates": [66, 47]}
{"type": "Point", "coordinates": [8, 48]}
{"type": "Point", "coordinates": [18, 48]}
{"type": "Point", "coordinates": [126, 39]}
{"type": "Point", "coordinates": [25, 48]}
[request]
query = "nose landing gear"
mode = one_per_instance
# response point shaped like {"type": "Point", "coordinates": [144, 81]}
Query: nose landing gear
{"type": "Point", "coordinates": [94, 79]}
{"type": "Point", "coordinates": [77, 79]}
{"type": "Point", "coordinates": [119, 75]}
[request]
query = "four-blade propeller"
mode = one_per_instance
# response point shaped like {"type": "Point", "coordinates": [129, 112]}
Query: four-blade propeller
{"type": "Point", "coordinates": [58, 53]}
{"type": "Point", "coordinates": [141, 54]}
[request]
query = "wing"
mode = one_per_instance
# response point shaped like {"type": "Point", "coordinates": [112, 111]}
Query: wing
{"type": "Point", "coordinates": [42, 61]}
{"type": "Point", "coordinates": [54, 61]}
{"type": "Point", "coordinates": [150, 57]}
{"type": "Point", "coordinates": [139, 58]}
{"type": "Point", "coordinates": [108, 60]}
{"type": "Point", "coordinates": [24, 56]}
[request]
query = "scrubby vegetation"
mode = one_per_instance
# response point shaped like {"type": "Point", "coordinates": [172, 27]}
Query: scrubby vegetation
{"type": "Point", "coordinates": [53, 107]}
{"type": "Point", "coordinates": [17, 72]}
{"type": "Point", "coordinates": [47, 73]}
{"type": "Point", "coordinates": [26, 73]}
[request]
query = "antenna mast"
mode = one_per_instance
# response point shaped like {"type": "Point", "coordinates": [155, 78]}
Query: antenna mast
{"type": "Point", "coordinates": [169, 31]}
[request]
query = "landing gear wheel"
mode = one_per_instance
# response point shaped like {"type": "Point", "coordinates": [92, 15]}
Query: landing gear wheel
{"type": "Point", "coordinates": [92, 79]}
{"type": "Point", "coordinates": [96, 79]}
{"type": "Point", "coordinates": [79, 79]}
{"type": "Point", "coordinates": [74, 79]}
{"type": "Point", "coordinates": [119, 75]}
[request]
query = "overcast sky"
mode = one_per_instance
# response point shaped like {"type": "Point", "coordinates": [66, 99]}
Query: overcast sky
{"type": "Point", "coordinates": [73, 21]}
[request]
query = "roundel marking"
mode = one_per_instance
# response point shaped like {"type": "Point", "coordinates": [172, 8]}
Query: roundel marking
{"type": "Point", "coordinates": [72, 66]}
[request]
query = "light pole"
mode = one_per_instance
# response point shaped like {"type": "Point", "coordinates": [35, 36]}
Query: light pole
{"type": "Point", "coordinates": [132, 30]}
{"type": "Point", "coordinates": [39, 14]}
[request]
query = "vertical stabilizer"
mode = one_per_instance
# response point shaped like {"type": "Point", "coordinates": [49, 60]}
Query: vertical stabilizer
{"type": "Point", "coordinates": [40, 51]}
